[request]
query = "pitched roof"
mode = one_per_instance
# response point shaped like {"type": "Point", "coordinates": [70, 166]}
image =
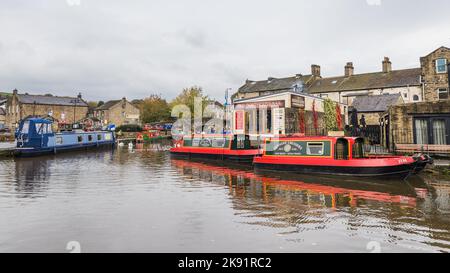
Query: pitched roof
{"type": "Point", "coordinates": [379, 103]}
{"type": "Point", "coordinates": [395, 78]}
{"type": "Point", "coordinates": [107, 105]}
{"type": "Point", "coordinates": [274, 84]}
{"type": "Point", "coordinates": [50, 100]}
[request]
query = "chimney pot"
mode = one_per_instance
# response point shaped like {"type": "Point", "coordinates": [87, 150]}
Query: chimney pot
{"type": "Point", "coordinates": [15, 92]}
{"type": "Point", "coordinates": [349, 69]}
{"type": "Point", "coordinates": [387, 65]}
{"type": "Point", "coordinates": [315, 70]}
{"type": "Point", "coordinates": [80, 96]}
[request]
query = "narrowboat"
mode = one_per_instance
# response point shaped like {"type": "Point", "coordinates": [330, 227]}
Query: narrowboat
{"type": "Point", "coordinates": [35, 136]}
{"type": "Point", "coordinates": [232, 148]}
{"type": "Point", "coordinates": [342, 156]}
{"type": "Point", "coordinates": [151, 135]}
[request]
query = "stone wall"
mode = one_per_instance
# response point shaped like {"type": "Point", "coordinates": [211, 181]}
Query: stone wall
{"type": "Point", "coordinates": [122, 113]}
{"type": "Point", "coordinates": [402, 116]}
{"type": "Point", "coordinates": [371, 118]}
{"type": "Point", "coordinates": [16, 111]}
{"type": "Point", "coordinates": [433, 80]}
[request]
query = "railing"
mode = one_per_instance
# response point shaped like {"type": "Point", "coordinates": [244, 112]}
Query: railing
{"type": "Point", "coordinates": [433, 141]}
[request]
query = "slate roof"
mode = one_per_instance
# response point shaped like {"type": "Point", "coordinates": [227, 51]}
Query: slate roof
{"type": "Point", "coordinates": [274, 84]}
{"type": "Point", "coordinates": [380, 103]}
{"type": "Point", "coordinates": [378, 80]}
{"type": "Point", "coordinates": [108, 105]}
{"type": "Point", "coordinates": [51, 100]}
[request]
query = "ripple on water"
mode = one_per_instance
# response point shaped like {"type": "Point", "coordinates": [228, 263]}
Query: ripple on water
{"type": "Point", "coordinates": [175, 205]}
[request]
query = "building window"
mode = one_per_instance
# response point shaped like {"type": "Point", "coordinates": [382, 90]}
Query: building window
{"type": "Point", "coordinates": [433, 130]}
{"type": "Point", "coordinates": [415, 98]}
{"type": "Point", "coordinates": [421, 131]}
{"type": "Point", "coordinates": [441, 66]}
{"type": "Point", "coordinates": [443, 93]}
{"type": "Point", "coordinates": [405, 95]}
{"type": "Point", "coordinates": [439, 132]}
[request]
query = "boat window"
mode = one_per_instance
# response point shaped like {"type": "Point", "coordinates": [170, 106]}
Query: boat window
{"type": "Point", "coordinates": [341, 150]}
{"type": "Point", "coordinates": [358, 148]}
{"type": "Point", "coordinates": [80, 138]}
{"type": "Point", "coordinates": [90, 137]}
{"type": "Point", "coordinates": [99, 137]}
{"type": "Point", "coordinates": [25, 127]}
{"type": "Point", "coordinates": [49, 129]}
{"type": "Point", "coordinates": [38, 127]}
{"type": "Point", "coordinates": [314, 148]}
{"type": "Point", "coordinates": [59, 140]}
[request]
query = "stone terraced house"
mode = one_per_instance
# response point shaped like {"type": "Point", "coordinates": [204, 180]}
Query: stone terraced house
{"type": "Point", "coordinates": [118, 112]}
{"type": "Point", "coordinates": [421, 116]}
{"type": "Point", "coordinates": [19, 106]}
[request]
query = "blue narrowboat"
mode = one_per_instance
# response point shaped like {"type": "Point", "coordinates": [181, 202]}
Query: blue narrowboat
{"type": "Point", "coordinates": [35, 136]}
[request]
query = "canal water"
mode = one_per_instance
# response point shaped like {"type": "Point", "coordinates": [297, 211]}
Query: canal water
{"type": "Point", "coordinates": [144, 201]}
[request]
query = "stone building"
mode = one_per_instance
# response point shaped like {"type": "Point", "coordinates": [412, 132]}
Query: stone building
{"type": "Point", "coordinates": [345, 89]}
{"type": "Point", "coordinates": [434, 74]}
{"type": "Point", "coordinates": [118, 112]}
{"type": "Point", "coordinates": [68, 109]}
{"type": "Point", "coordinates": [297, 83]}
{"type": "Point", "coordinates": [2, 118]}
{"type": "Point", "coordinates": [373, 108]}
{"type": "Point", "coordinates": [427, 122]}
{"type": "Point", "coordinates": [342, 89]}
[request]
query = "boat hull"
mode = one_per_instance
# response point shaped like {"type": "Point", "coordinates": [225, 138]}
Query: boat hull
{"type": "Point", "coordinates": [30, 152]}
{"type": "Point", "coordinates": [225, 154]}
{"type": "Point", "coordinates": [247, 159]}
{"type": "Point", "coordinates": [399, 171]}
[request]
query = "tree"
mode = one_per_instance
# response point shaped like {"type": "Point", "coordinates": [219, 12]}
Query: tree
{"type": "Point", "coordinates": [187, 97]}
{"type": "Point", "coordinates": [100, 103]}
{"type": "Point", "coordinates": [92, 104]}
{"type": "Point", "coordinates": [330, 115]}
{"type": "Point", "coordinates": [154, 109]}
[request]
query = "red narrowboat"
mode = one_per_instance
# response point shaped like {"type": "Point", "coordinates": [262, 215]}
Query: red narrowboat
{"type": "Point", "coordinates": [334, 156]}
{"type": "Point", "coordinates": [235, 148]}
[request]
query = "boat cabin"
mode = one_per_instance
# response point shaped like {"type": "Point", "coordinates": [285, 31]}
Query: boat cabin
{"type": "Point", "coordinates": [338, 148]}
{"type": "Point", "coordinates": [230, 142]}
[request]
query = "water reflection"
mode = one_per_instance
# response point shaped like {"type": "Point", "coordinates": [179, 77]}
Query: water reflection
{"type": "Point", "coordinates": [304, 203]}
{"type": "Point", "coordinates": [140, 200]}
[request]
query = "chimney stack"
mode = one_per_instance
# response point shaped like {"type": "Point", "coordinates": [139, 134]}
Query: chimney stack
{"type": "Point", "coordinates": [15, 92]}
{"type": "Point", "coordinates": [349, 69]}
{"type": "Point", "coordinates": [79, 96]}
{"type": "Point", "coordinates": [315, 70]}
{"type": "Point", "coordinates": [387, 65]}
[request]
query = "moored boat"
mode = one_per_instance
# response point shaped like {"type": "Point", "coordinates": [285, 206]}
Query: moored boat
{"type": "Point", "coordinates": [236, 148]}
{"type": "Point", "coordinates": [35, 136]}
{"type": "Point", "coordinates": [334, 156]}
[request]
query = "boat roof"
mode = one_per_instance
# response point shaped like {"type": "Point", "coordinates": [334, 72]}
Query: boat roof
{"type": "Point", "coordinates": [39, 120]}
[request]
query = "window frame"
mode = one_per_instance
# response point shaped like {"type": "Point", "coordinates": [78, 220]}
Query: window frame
{"type": "Point", "coordinates": [308, 150]}
{"type": "Point", "coordinates": [439, 91]}
{"type": "Point", "coordinates": [439, 66]}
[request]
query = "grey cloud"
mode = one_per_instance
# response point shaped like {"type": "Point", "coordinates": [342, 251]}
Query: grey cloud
{"type": "Point", "coordinates": [111, 48]}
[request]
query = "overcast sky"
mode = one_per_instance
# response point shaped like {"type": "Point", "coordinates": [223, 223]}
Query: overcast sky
{"type": "Point", "coordinates": [107, 49]}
